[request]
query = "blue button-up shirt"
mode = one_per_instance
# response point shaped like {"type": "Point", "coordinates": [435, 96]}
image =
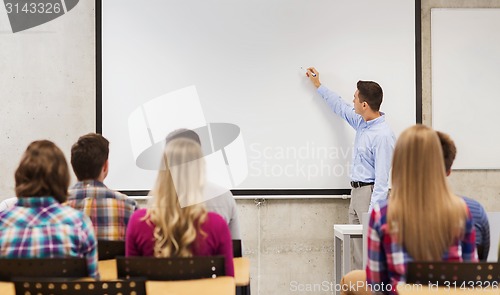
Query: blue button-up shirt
{"type": "Point", "coordinates": [373, 146]}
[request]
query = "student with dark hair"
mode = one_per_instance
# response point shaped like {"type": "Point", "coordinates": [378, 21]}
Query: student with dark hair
{"type": "Point", "coordinates": [109, 210]}
{"type": "Point", "coordinates": [38, 226]}
{"type": "Point", "coordinates": [476, 210]}
{"type": "Point", "coordinates": [373, 147]}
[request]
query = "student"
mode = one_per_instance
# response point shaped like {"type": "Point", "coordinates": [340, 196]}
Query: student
{"type": "Point", "coordinates": [373, 148]}
{"type": "Point", "coordinates": [109, 210]}
{"type": "Point", "coordinates": [223, 204]}
{"type": "Point", "coordinates": [38, 226]}
{"type": "Point", "coordinates": [477, 211]}
{"type": "Point", "coordinates": [8, 203]}
{"type": "Point", "coordinates": [167, 230]}
{"type": "Point", "coordinates": [422, 220]}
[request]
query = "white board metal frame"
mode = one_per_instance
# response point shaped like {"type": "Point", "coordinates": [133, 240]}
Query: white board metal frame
{"type": "Point", "coordinates": [325, 48]}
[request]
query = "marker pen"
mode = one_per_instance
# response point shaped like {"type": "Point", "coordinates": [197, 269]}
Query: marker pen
{"type": "Point", "coordinates": [313, 74]}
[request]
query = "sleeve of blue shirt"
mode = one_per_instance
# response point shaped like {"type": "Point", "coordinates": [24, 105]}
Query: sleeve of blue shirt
{"type": "Point", "coordinates": [340, 107]}
{"type": "Point", "coordinates": [486, 235]}
{"type": "Point", "coordinates": [383, 159]}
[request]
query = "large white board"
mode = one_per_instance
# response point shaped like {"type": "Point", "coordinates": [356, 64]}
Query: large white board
{"type": "Point", "coordinates": [244, 59]}
{"type": "Point", "coordinates": [465, 75]}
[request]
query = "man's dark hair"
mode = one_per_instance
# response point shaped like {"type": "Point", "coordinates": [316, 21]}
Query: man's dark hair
{"type": "Point", "coordinates": [371, 93]}
{"type": "Point", "coordinates": [43, 171]}
{"type": "Point", "coordinates": [88, 156]}
{"type": "Point", "coordinates": [449, 149]}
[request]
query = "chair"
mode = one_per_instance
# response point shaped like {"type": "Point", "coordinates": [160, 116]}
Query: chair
{"type": "Point", "coordinates": [54, 286]}
{"type": "Point", "coordinates": [71, 267]}
{"type": "Point", "coordinates": [443, 273]}
{"type": "Point", "coordinates": [110, 249]}
{"type": "Point", "coordinates": [237, 251]}
{"type": "Point", "coordinates": [170, 269]}
{"type": "Point", "coordinates": [494, 220]}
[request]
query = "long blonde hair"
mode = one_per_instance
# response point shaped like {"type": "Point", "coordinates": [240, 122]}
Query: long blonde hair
{"type": "Point", "coordinates": [179, 183]}
{"type": "Point", "coordinates": [423, 214]}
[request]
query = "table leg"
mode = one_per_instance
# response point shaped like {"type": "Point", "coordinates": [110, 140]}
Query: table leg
{"type": "Point", "coordinates": [346, 257]}
{"type": "Point", "coordinates": [337, 271]}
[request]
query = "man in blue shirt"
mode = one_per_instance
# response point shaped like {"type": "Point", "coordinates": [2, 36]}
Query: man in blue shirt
{"type": "Point", "coordinates": [373, 148]}
{"type": "Point", "coordinates": [477, 211]}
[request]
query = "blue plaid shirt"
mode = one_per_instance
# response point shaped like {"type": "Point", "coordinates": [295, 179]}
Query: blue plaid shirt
{"type": "Point", "coordinates": [40, 227]}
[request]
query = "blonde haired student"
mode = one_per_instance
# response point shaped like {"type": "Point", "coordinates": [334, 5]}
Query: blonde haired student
{"type": "Point", "coordinates": [422, 220]}
{"type": "Point", "coordinates": [172, 226]}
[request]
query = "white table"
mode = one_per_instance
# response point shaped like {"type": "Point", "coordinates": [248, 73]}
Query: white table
{"type": "Point", "coordinates": [343, 234]}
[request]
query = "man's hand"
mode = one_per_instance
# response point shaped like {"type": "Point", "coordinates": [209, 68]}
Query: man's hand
{"type": "Point", "coordinates": [313, 75]}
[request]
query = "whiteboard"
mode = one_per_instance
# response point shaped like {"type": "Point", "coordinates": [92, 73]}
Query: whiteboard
{"type": "Point", "coordinates": [465, 73]}
{"type": "Point", "coordinates": [243, 59]}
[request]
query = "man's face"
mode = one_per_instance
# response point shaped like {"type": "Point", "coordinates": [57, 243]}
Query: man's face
{"type": "Point", "coordinates": [358, 105]}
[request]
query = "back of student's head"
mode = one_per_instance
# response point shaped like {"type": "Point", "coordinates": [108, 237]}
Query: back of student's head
{"type": "Point", "coordinates": [180, 183]}
{"type": "Point", "coordinates": [426, 217]}
{"type": "Point", "coordinates": [88, 156]}
{"type": "Point", "coordinates": [183, 133]}
{"type": "Point", "coordinates": [371, 93]}
{"type": "Point", "coordinates": [43, 171]}
{"type": "Point", "coordinates": [449, 149]}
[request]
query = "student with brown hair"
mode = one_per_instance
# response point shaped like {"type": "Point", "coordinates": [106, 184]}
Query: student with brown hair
{"type": "Point", "coordinates": [109, 210]}
{"type": "Point", "coordinates": [477, 211]}
{"type": "Point", "coordinates": [39, 226]}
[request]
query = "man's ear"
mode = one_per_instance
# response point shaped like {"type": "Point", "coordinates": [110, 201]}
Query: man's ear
{"type": "Point", "coordinates": [105, 167]}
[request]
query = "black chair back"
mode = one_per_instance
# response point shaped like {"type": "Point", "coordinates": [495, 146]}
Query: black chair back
{"type": "Point", "coordinates": [237, 251]}
{"type": "Point", "coordinates": [54, 286]}
{"type": "Point", "coordinates": [171, 269]}
{"type": "Point", "coordinates": [443, 273]}
{"type": "Point", "coordinates": [71, 267]}
{"type": "Point", "coordinates": [110, 249]}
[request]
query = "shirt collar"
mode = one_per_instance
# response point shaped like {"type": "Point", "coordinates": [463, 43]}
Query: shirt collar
{"type": "Point", "coordinates": [88, 183]}
{"type": "Point", "coordinates": [45, 201]}
{"type": "Point", "coordinates": [376, 121]}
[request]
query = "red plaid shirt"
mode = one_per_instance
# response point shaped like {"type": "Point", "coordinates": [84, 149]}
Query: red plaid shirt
{"type": "Point", "coordinates": [387, 259]}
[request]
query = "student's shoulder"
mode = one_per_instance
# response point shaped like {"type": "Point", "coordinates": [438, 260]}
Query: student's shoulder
{"type": "Point", "coordinates": [70, 215]}
{"type": "Point", "coordinates": [215, 221]}
{"type": "Point", "coordinates": [214, 218]}
{"type": "Point", "coordinates": [139, 214]}
{"type": "Point", "coordinates": [471, 202]}
{"type": "Point", "coordinates": [379, 212]}
{"type": "Point", "coordinates": [123, 197]}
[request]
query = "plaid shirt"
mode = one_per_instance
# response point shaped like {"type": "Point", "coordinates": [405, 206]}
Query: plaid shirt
{"type": "Point", "coordinates": [40, 227]}
{"type": "Point", "coordinates": [387, 259]}
{"type": "Point", "coordinates": [109, 210]}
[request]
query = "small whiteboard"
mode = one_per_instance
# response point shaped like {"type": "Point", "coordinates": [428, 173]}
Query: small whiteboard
{"type": "Point", "coordinates": [465, 83]}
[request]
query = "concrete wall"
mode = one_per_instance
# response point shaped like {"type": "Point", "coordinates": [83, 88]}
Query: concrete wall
{"type": "Point", "coordinates": [47, 85]}
{"type": "Point", "coordinates": [48, 91]}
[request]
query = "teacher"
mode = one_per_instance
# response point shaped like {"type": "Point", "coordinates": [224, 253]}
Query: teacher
{"type": "Point", "coordinates": [373, 148]}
